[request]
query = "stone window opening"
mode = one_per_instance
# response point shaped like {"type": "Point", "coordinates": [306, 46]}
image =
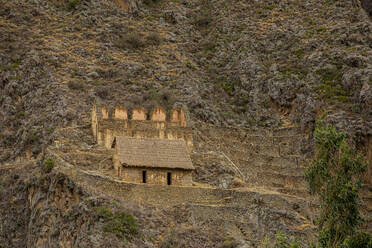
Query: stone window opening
{"type": "Point", "coordinates": [144, 176]}
{"type": "Point", "coordinates": [169, 178]}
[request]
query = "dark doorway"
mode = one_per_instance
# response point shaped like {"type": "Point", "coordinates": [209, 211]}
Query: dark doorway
{"type": "Point", "coordinates": [144, 176]}
{"type": "Point", "coordinates": [169, 178]}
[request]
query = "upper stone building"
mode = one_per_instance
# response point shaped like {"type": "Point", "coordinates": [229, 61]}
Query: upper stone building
{"type": "Point", "coordinates": [152, 161]}
{"type": "Point", "coordinates": [108, 123]}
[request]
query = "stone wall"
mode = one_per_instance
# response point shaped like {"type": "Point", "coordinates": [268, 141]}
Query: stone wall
{"type": "Point", "coordinates": [156, 176]}
{"type": "Point", "coordinates": [162, 195]}
{"type": "Point", "coordinates": [108, 123]}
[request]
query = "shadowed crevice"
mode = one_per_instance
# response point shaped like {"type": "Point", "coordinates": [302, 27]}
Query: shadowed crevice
{"type": "Point", "coordinates": [367, 6]}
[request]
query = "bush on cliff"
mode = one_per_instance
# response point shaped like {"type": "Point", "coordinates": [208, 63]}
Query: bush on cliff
{"type": "Point", "coordinates": [48, 165]}
{"type": "Point", "coordinates": [123, 225]}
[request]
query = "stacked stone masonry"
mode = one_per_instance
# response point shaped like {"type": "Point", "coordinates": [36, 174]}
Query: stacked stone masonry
{"type": "Point", "coordinates": [157, 176]}
{"type": "Point", "coordinates": [118, 121]}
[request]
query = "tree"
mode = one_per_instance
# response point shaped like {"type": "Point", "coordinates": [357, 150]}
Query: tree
{"type": "Point", "coordinates": [335, 175]}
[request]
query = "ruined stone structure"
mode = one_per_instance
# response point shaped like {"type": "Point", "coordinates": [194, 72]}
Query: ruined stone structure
{"type": "Point", "coordinates": [152, 161]}
{"type": "Point", "coordinates": [118, 121]}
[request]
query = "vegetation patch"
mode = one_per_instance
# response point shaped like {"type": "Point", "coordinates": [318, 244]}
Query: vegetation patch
{"type": "Point", "coordinates": [151, 2]}
{"type": "Point", "coordinates": [299, 53]}
{"type": "Point", "coordinates": [103, 212]}
{"type": "Point", "coordinates": [133, 40]}
{"type": "Point", "coordinates": [281, 241]}
{"type": "Point", "coordinates": [72, 5]}
{"type": "Point", "coordinates": [335, 176]}
{"type": "Point", "coordinates": [204, 17]}
{"type": "Point", "coordinates": [228, 83]}
{"type": "Point", "coordinates": [331, 86]}
{"type": "Point", "coordinates": [48, 165]}
{"type": "Point", "coordinates": [123, 225]}
{"type": "Point", "coordinates": [230, 242]}
{"type": "Point", "coordinates": [75, 85]}
{"type": "Point", "coordinates": [102, 93]}
{"type": "Point", "coordinates": [271, 6]}
{"type": "Point", "coordinates": [153, 39]}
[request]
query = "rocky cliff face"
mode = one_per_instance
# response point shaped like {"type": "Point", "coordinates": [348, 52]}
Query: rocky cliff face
{"type": "Point", "coordinates": [48, 211]}
{"type": "Point", "coordinates": [243, 64]}
{"type": "Point", "coordinates": [41, 209]}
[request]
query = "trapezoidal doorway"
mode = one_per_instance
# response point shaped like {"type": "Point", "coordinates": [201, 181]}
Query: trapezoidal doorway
{"type": "Point", "coordinates": [144, 176]}
{"type": "Point", "coordinates": [169, 178]}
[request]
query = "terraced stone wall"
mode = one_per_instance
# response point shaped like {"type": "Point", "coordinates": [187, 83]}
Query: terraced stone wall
{"type": "Point", "coordinates": [265, 158]}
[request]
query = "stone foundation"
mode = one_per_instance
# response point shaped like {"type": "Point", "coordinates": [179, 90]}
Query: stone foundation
{"type": "Point", "coordinates": [156, 176]}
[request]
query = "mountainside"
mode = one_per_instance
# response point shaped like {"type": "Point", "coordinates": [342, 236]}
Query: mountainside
{"type": "Point", "coordinates": [253, 75]}
{"type": "Point", "coordinates": [243, 64]}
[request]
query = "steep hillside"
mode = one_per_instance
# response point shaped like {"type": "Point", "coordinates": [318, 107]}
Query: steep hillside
{"type": "Point", "coordinates": [251, 63]}
{"type": "Point", "coordinates": [51, 210]}
{"type": "Point", "coordinates": [253, 75]}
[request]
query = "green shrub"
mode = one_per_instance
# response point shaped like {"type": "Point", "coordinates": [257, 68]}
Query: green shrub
{"type": "Point", "coordinates": [281, 241]}
{"type": "Point", "coordinates": [103, 212]}
{"type": "Point", "coordinates": [123, 225]}
{"type": "Point", "coordinates": [230, 242]}
{"type": "Point", "coordinates": [227, 86]}
{"type": "Point", "coordinates": [271, 6]}
{"type": "Point", "coordinates": [203, 19]}
{"type": "Point", "coordinates": [48, 165]}
{"type": "Point", "coordinates": [190, 65]}
{"type": "Point", "coordinates": [150, 2]}
{"type": "Point", "coordinates": [331, 86]}
{"type": "Point", "coordinates": [72, 4]}
{"type": "Point", "coordinates": [299, 53]}
{"type": "Point", "coordinates": [115, 204]}
{"type": "Point", "coordinates": [358, 240]}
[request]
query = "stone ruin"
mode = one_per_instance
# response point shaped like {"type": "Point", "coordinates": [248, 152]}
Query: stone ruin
{"type": "Point", "coordinates": [107, 123]}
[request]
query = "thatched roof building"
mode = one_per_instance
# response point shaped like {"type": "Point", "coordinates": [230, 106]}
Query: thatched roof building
{"type": "Point", "coordinates": [159, 161]}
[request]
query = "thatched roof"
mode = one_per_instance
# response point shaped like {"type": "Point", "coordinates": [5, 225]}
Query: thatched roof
{"type": "Point", "coordinates": [156, 153]}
